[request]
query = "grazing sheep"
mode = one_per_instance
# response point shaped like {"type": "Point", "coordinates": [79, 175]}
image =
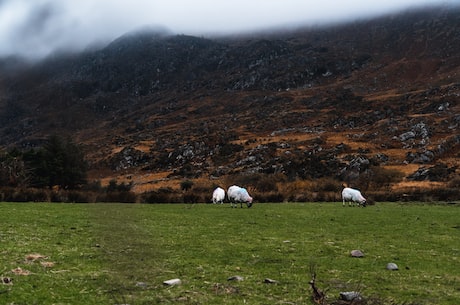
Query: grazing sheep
{"type": "Point", "coordinates": [351, 195]}
{"type": "Point", "coordinates": [239, 195]}
{"type": "Point", "coordinates": [218, 195]}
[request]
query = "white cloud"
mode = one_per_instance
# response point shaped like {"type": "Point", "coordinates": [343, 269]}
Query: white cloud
{"type": "Point", "coordinates": [35, 28]}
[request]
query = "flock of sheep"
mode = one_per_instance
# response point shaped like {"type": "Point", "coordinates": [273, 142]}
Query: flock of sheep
{"type": "Point", "coordinates": [240, 195]}
{"type": "Point", "coordinates": [235, 195]}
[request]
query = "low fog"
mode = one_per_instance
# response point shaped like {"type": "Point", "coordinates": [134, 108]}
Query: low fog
{"type": "Point", "coordinates": [36, 28]}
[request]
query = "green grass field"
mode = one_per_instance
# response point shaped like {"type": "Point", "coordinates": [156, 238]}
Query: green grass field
{"type": "Point", "coordinates": [122, 253]}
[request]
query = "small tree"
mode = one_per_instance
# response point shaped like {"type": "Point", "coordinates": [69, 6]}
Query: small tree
{"type": "Point", "coordinates": [186, 185]}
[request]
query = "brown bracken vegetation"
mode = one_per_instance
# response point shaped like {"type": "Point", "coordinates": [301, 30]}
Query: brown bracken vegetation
{"type": "Point", "coordinates": [289, 115]}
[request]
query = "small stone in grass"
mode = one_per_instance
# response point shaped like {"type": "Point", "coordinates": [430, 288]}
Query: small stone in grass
{"type": "Point", "coordinates": [392, 266]}
{"type": "Point", "coordinates": [172, 282]}
{"type": "Point", "coordinates": [350, 296]}
{"type": "Point", "coordinates": [357, 253]}
{"type": "Point", "coordinates": [235, 278]}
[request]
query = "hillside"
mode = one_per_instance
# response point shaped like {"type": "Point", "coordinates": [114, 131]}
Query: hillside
{"type": "Point", "coordinates": [154, 109]}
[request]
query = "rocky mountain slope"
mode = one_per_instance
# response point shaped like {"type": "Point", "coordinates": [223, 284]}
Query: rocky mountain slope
{"type": "Point", "coordinates": [153, 109]}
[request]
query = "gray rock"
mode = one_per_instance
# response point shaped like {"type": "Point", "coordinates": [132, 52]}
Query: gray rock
{"type": "Point", "coordinates": [392, 266]}
{"type": "Point", "coordinates": [350, 296]}
{"type": "Point", "coordinates": [357, 253]}
{"type": "Point", "coordinates": [172, 282]}
{"type": "Point", "coordinates": [235, 278]}
{"type": "Point", "coordinates": [406, 136]}
{"type": "Point", "coordinates": [444, 106]}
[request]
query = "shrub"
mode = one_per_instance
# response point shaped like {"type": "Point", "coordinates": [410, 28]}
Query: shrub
{"type": "Point", "coordinates": [333, 196]}
{"type": "Point", "coordinates": [23, 195]}
{"type": "Point", "coordinates": [386, 195]}
{"type": "Point", "coordinates": [445, 194]}
{"type": "Point", "coordinates": [78, 196]}
{"type": "Point", "coordinates": [454, 182]}
{"type": "Point", "coordinates": [39, 195]}
{"type": "Point", "coordinates": [58, 196]}
{"type": "Point", "coordinates": [115, 187]}
{"type": "Point", "coordinates": [268, 197]}
{"type": "Point", "coordinates": [186, 185]}
{"type": "Point", "coordinates": [94, 186]}
{"type": "Point", "coordinates": [117, 196]}
{"type": "Point", "coordinates": [162, 195]}
{"type": "Point", "coordinates": [326, 185]}
{"type": "Point", "coordinates": [266, 184]}
{"type": "Point", "coordinates": [191, 197]}
{"type": "Point", "coordinates": [260, 182]}
{"type": "Point", "coordinates": [380, 177]}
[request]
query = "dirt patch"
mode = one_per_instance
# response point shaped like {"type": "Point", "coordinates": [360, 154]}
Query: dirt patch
{"type": "Point", "coordinates": [20, 271]}
{"type": "Point", "coordinates": [35, 257]}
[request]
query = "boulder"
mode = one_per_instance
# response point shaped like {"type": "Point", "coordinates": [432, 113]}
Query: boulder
{"type": "Point", "coordinates": [438, 172]}
{"type": "Point", "coordinates": [356, 253]}
{"type": "Point", "coordinates": [392, 266]}
{"type": "Point", "coordinates": [406, 136]}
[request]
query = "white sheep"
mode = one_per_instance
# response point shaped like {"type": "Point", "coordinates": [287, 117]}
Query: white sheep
{"type": "Point", "coordinates": [218, 195]}
{"type": "Point", "coordinates": [351, 195]}
{"type": "Point", "coordinates": [239, 195]}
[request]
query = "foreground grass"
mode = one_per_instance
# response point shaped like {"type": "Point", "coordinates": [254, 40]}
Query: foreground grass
{"type": "Point", "coordinates": [121, 254]}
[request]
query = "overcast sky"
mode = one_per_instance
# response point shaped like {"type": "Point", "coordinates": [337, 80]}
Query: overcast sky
{"type": "Point", "coordinates": [34, 28]}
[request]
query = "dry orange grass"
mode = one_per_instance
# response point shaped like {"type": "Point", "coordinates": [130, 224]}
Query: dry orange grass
{"type": "Point", "coordinates": [416, 185]}
{"type": "Point", "coordinates": [293, 136]}
{"type": "Point", "coordinates": [34, 257]}
{"type": "Point", "coordinates": [406, 169]}
{"type": "Point", "coordinates": [149, 182]}
{"type": "Point", "coordinates": [117, 149]}
{"type": "Point", "coordinates": [144, 182]}
{"type": "Point", "coordinates": [395, 154]}
{"type": "Point", "coordinates": [20, 271]}
{"type": "Point", "coordinates": [352, 140]}
{"type": "Point", "coordinates": [144, 146]}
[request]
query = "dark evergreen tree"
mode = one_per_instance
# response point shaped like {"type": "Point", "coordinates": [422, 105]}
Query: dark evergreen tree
{"type": "Point", "coordinates": [60, 162]}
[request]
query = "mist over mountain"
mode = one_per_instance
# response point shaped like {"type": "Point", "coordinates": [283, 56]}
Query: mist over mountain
{"type": "Point", "coordinates": [304, 103]}
{"type": "Point", "coordinates": [47, 26]}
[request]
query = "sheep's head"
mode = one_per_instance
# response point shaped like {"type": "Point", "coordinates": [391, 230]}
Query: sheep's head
{"type": "Point", "coordinates": [249, 202]}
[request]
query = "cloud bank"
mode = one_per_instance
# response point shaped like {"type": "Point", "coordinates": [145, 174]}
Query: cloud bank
{"type": "Point", "coordinates": [37, 28]}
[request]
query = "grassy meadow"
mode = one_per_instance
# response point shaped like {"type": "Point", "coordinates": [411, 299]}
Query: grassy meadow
{"type": "Point", "coordinates": [122, 253]}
